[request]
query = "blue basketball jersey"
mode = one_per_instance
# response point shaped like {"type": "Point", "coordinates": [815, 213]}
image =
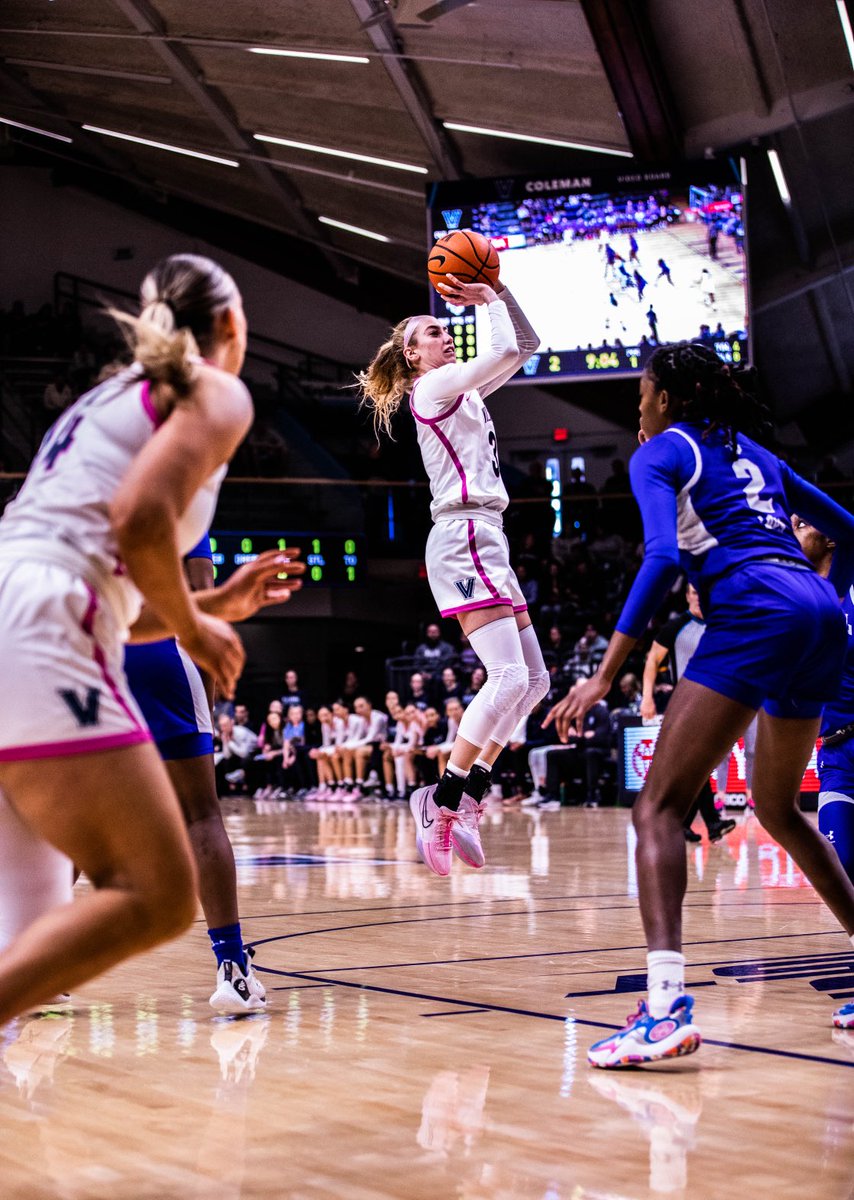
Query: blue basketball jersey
{"type": "Point", "coordinates": [708, 509]}
{"type": "Point", "coordinates": [841, 710]}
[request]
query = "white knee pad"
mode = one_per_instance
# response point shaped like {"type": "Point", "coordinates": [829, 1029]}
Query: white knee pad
{"type": "Point", "coordinates": [539, 684]}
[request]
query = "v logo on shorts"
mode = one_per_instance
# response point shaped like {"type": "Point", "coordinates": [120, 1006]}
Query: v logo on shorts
{"type": "Point", "coordinates": [86, 712]}
{"type": "Point", "coordinates": [465, 587]}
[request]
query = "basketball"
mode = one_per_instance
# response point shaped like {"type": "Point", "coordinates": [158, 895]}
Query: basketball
{"type": "Point", "coordinates": [468, 255]}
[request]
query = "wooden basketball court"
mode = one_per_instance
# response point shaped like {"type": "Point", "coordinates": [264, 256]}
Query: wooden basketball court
{"type": "Point", "coordinates": [426, 1038]}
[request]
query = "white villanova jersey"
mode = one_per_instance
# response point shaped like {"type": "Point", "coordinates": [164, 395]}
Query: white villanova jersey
{"type": "Point", "coordinates": [63, 506]}
{"type": "Point", "coordinates": [455, 431]}
{"type": "Point", "coordinates": [460, 455]}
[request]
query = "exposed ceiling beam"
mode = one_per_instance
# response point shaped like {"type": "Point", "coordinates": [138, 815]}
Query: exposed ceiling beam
{"type": "Point", "coordinates": [186, 72]}
{"type": "Point", "coordinates": [624, 41]}
{"type": "Point", "coordinates": [376, 19]}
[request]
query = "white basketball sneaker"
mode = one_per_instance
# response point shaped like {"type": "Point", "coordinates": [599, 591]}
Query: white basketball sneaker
{"type": "Point", "coordinates": [433, 827]}
{"type": "Point", "coordinates": [237, 993]}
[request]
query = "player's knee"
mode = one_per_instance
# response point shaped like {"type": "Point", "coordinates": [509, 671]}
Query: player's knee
{"type": "Point", "coordinates": [539, 685]}
{"type": "Point", "coordinates": [511, 685]}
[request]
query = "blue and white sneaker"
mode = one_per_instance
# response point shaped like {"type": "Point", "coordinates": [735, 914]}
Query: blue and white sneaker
{"type": "Point", "coordinates": [647, 1039]}
{"type": "Point", "coordinates": [843, 1018]}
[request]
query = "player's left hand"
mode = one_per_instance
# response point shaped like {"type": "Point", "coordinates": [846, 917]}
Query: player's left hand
{"type": "Point", "coordinates": [466, 293]}
{"type": "Point", "coordinates": [569, 713]}
{"type": "Point", "coordinates": [268, 579]}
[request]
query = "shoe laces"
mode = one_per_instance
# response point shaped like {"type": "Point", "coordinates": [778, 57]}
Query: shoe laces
{"type": "Point", "coordinates": [446, 819]}
{"type": "Point", "coordinates": [641, 1012]}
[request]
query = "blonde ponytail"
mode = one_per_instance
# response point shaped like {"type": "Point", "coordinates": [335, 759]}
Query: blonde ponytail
{"type": "Point", "coordinates": [166, 354]}
{"type": "Point", "coordinates": [387, 380]}
{"type": "Point", "coordinates": [181, 299]}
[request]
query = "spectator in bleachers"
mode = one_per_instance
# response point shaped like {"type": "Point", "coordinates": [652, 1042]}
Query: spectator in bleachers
{"type": "Point", "coordinates": [468, 659]}
{"type": "Point", "coordinates": [440, 752]}
{"type": "Point", "coordinates": [449, 688]}
{"type": "Point", "coordinates": [269, 765]}
{"type": "Point", "coordinates": [433, 733]}
{"type": "Point", "coordinates": [351, 688]}
{"type": "Point", "coordinates": [418, 694]}
{"type": "Point", "coordinates": [234, 748]}
{"type": "Point", "coordinates": [241, 714]}
{"type": "Point", "coordinates": [362, 748]}
{"type": "Point", "coordinates": [293, 692]}
{"type": "Point", "coordinates": [332, 724]}
{"type": "Point", "coordinates": [433, 654]}
{"type": "Point", "coordinates": [478, 679]}
{"type": "Point", "coordinates": [399, 754]}
{"type": "Point", "coordinates": [57, 395]}
{"type": "Point", "coordinates": [632, 693]}
{"type": "Point", "coordinates": [529, 587]}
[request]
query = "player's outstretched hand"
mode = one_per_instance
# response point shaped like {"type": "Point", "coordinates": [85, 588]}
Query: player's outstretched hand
{"type": "Point", "coordinates": [568, 714]}
{"type": "Point", "coordinates": [466, 293]}
{"type": "Point", "coordinates": [271, 578]}
{"type": "Point", "coordinates": [215, 647]}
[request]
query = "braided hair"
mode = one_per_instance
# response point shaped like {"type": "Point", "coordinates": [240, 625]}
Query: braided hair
{"type": "Point", "coordinates": [710, 392]}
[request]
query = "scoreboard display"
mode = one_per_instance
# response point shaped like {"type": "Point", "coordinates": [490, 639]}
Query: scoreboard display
{"type": "Point", "coordinates": [331, 559]}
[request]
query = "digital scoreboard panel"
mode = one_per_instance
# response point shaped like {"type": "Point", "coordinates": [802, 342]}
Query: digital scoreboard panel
{"type": "Point", "coordinates": [607, 265]}
{"type": "Point", "coordinates": [331, 559]}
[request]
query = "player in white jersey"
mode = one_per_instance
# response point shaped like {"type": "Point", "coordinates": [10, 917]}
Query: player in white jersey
{"type": "Point", "coordinates": [468, 559]}
{"type": "Point", "coordinates": [123, 485]}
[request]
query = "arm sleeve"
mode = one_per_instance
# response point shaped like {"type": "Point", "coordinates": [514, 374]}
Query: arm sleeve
{"type": "Point", "coordinates": [438, 389]}
{"type": "Point", "coordinates": [816, 507]}
{"type": "Point", "coordinates": [658, 471]}
{"type": "Point", "coordinates": [527, 340]}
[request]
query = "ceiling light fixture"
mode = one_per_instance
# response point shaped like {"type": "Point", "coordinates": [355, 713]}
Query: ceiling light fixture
{"type": "Point", "coordinates": [347, 58]}
{"type": "Point", "coordinates": [539, 141]}
{"type": "Point", "coordinates": [141, 141]}
{"type": "Point", "coordinates": [779, 177]}
{"type": "Point", "coordinates": [365, 158]}
{"type": "Point", "coordinates": [376, 237]}
{"type": "Point", "coordinates": [35, 129]}
{"type": "Point", "coordinates": [846, 28]}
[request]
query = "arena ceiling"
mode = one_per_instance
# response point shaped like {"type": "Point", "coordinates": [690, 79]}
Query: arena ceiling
{"type": "Point", "coordinates": [662, 80]}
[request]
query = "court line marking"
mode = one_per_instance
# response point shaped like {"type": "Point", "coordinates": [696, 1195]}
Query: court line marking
{"type": "Point", "coordinates": [460, 1012]}
{"type": "Point", "coordinates": [526, 1012]}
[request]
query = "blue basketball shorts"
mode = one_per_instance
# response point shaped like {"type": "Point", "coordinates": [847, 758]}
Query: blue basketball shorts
{"type": "Point", "coordinates": [168, 688]}
{"type": "Point", "coordinates": [775, 638]}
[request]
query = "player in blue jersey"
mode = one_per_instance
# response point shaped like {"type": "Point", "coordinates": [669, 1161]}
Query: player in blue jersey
{"type": "Point", "coordinates": [175, 700]}
{"type": "Point", "coordinates": [717, 505]}
{"type": "Point", "coordinates": [836, 757]}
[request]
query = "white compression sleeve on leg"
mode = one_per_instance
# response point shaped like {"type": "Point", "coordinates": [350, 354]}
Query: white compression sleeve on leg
{"type": "Point", "coordinates": [498, 647]}
{"type": "Point", "coordinates": [34, 876]}
{"type": "Point", "coordinates": [538, 684]}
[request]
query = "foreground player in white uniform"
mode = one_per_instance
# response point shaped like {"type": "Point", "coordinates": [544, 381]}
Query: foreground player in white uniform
{"type": "Point", "coordinates": [468, 559]}
{"type": "Point", "coordinates": [122, 487]}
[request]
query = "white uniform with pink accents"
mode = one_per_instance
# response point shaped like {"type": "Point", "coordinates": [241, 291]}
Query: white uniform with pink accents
{"type": "Point", "coordinates": [65, 600]}
{"type": "Point", "coordinates": [467, 557]}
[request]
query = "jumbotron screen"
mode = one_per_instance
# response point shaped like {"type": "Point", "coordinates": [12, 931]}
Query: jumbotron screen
{"type": "Point", "coordinates": [607, 265]}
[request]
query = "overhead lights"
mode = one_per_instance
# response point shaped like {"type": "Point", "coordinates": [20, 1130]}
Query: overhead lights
{"type": "Point", "coordinates": [846, 28]}
{"type": "Point", "coordinates": [779, 177]}
{"type": "Point", "coordinates": [350, 154]}
{"type": "Point", "coordinates": [141, 141]}
{"type": "Point", "coordinates": [539, 141]}
{"type": "Point", "coordinates": [35, 129]}
{"type": "Point", "coordinates": [368, 233]}
{"type": "Point", "coordinates": [317, 54]}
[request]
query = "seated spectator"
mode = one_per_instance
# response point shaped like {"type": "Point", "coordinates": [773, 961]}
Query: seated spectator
{"type": "Point", "coordinates": [632, 693]}
{"type": "Point", "coordinates": [57, 395]}
{"type": "Point", "coordinates": [555, 647]}
{"type": "Point", "coordinates": [293, 692]}
{"type": "Point", "coordinates": [351, 688]}
{"type": "Point", "coordinates": [440, 752]}
{"type": "Point", "coordinates": [241, 714]}
{"type": "Point", "coordinates": [399, 754]}
{"type": "Point", "coordinates": [448, 689]}
{"type": "Point", "coordinates": [587, 754]}
{"type": "Point", "coordinates": [320, 755]}
{"type": "Point", "coordinates": [234, 748]}
{"type": "Point", "coordinates": [528, 586]}
{"type": "Point", "coordinates": [366, 745]}
{"type": "Point", "coordinates": [478, 679]}
{"type": "Point", "coordinates": [468, 659]}
{"type": "Point", "coordinates": [418, 694]}
{"type": "Point", "coordinates": [433, 654]}
{"type": "Point", "coordinates": [269, 760]}
{"type": "Point", "coordinates": [312, 728]}
{"type": "Point", "coordinates": [293, 733]}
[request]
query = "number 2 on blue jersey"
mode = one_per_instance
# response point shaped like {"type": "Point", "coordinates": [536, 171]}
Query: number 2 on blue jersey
{"type": "Point", "coordinates": [745, 469]}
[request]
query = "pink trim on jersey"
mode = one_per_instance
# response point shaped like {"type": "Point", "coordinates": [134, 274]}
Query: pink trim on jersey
{"type": "Point", "coordinates": [107, 741]}
{"type": "Point", "coordinates": [147, 403]}
{"type": "Point", "coordinates": [520, 608]}
{"type": "Point", "coordinates": [442, 416]}
{"type": "Point", "coordinates": [478, 565]}
{"type": "Point", "coordinates": [88, 627]}
{"type": "Point", "coordinates": [464, 495]}
{"type": "Point", "coordinates": [492, 603]}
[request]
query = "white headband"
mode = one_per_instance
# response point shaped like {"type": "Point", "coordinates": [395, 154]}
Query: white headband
{"type": "Point", "coordinates": [411, 325]}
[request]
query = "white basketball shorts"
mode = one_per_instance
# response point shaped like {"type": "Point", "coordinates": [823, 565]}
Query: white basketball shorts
{"type": "Point", "coordinates": [468, 567]}
{"type": "Point", "coordinates": [61, 648]}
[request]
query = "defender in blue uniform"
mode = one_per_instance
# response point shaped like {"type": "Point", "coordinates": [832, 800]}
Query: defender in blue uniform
{"type": "Point", "coordinates": [169, 688]}
{"type": "Point", "coordinates": [716, 504]}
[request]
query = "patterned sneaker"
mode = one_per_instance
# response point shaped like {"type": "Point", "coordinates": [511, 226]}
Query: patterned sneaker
{"type": "Point", "coordinates": [465, 836]}
{"type": "Point", "coordinates": [236, 993]}
{"type": "Point", "coordinates": [647, 1039]}
{"type": "Point", "coordinates": [256, 987]}
{"type": "Point", "coordinates": [843, 1018]}
{"type": "Point", "coordinates": [432, 829]}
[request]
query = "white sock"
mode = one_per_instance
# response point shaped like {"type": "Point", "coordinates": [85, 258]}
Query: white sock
{"type": "Point", "coordinates": [460, 772]}
{"type": "Point", "coordinates": [485, 766]}
{"type": "Point", "coordinates": [665, 979]}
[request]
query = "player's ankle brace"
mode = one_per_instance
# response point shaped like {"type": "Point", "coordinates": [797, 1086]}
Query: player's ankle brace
{"type": "Point", "coordinates": [449, 791]}
{"type": "Point", "coordinates": [477, 783]}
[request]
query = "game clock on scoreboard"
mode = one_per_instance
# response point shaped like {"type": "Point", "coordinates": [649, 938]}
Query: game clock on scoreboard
{"type": "Point", "coordinates": [331, 559]}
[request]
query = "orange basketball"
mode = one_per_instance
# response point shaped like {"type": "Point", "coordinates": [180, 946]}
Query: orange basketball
{"type": "Point", "coordinates": [468, 255]}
